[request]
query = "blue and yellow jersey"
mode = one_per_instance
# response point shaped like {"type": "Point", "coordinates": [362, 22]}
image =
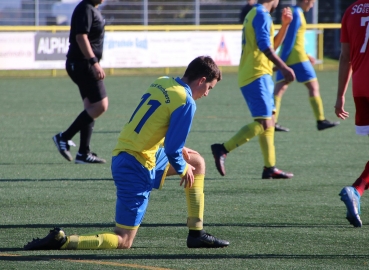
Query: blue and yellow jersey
{"type": "Point", "coordinates": [164, 116]}
{"type": "Point", "coordinates": [293, 46]}
{"type": "Point", "coordinates": [257, 36]}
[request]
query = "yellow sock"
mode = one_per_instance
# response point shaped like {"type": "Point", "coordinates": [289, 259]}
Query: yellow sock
{"type": "Point", "coordinates": [102, 240]}
{"type": "Point", "coordinates": [195, 203]}
{"type": "Point", "coordinates": [277, 104]}
{"type": "Point", "coordinates": [317, 105]}
{"type": "Point", "coordinates": [266, 141]}
{"type": "Point", "coordinates": [244, 135]}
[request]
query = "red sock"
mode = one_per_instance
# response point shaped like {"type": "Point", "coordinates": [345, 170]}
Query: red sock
{"type": "Point", "coordinates": [362, 183]}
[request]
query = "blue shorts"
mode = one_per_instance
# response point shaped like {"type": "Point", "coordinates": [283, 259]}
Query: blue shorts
{"type": "Point", "coordinates": [134, 183]}
{"type": "Point", "coordinates": [304, 72]}
{"type": "Point", "coordinates": [259, 97]}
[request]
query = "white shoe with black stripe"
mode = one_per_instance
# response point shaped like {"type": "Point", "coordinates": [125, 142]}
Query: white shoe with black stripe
{"type": "Point", "coordinates": [89, 158]}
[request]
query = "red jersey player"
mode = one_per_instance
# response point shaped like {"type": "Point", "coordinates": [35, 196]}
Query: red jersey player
{"type": "Point", "coordinates": [354, 60]}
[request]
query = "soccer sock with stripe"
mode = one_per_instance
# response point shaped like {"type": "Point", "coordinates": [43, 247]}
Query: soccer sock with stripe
{"type": "Point", "coordinates": [266, 141]}
{"type": "Point", "coordinates": [195, 203]}
{"type": "Point", "coordinates": [317, 106]}
{"type": "Point", "coordinates": [245, 134]}
{"type": "Point", "coordinates": [100, 240]}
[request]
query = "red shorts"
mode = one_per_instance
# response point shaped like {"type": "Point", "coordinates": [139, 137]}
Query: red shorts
{"type": "Point", "coordinates": [362, 115]}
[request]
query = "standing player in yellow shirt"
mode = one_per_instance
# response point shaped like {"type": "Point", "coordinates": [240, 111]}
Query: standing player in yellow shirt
{"type": "Point", "coordinates": [256, 83]}
{"type": "Point", "coordinates": [294, 54]}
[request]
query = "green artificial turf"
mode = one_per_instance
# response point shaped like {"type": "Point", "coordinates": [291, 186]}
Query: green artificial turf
{"type": "Point", "coordinates": [271, 224]}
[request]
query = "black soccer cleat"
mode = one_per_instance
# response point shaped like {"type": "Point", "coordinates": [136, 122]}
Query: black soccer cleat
{"type": "Point", "coordinates": [62, 146]}
{"type": "Point", "coordinates": [54, 240]}
{"type": "Point", "coordinates": [274, 173]}
{"type": "Point", "coordinates": [324, 124]}
{"type": "Point", "coordinates": [278, 127]}
{"type": "Point", "coordinates": [89, 158]}
{"type": "Point", "coordinates": [219, 154]}
{"type": "Point", "coordinates": [206, 241]}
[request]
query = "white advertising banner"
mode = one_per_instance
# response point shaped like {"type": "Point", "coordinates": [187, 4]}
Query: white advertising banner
{"type": "Point", "coordinates": [169, 49]}
{"type": "Point", "coordinates": [44, 50]}
{"type": "Point", "coordinates": [33, 50]}
{"type": "Point", "coordinates": [17, 50]}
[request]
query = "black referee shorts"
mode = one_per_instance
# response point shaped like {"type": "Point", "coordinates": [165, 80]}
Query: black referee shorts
{"type": "Point", "coordinates": [80, 71]}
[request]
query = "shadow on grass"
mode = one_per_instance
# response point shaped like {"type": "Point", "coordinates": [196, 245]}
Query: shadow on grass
{"type": "Point", "coordinates": [157, 225]}
{"type": "Point", "coordinates": [33, 163]}
{"type": "Point", "coordinates": [169, 178]}
{"type": "Point", "coordinates": [50, 226]}
{"type": "Point", "coordinates": [217, 256]}
{"type": "Point", "coordinates": [215, 130]}
{"type": "Point", "coordinates": [56, 179]}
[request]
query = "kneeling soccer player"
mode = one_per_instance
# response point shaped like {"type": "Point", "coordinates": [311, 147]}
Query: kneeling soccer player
{"type": "Point", "coordinates": [163, 117]}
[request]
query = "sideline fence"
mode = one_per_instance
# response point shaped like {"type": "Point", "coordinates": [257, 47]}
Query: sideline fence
{"type": "Point", "coordinates": [197, 29]}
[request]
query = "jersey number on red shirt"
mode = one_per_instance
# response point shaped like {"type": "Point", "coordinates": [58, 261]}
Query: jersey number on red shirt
{"type": "Point", "coordinates": [365, 20]}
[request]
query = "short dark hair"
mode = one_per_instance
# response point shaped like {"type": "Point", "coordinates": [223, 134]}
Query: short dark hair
{"type": "Point", "coordinates": [203, 66]}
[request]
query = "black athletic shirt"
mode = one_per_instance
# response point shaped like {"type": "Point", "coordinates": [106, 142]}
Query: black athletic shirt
{"type": "Point", "coordinates": [86, 19]}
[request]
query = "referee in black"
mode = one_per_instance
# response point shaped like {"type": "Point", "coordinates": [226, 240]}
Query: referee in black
{"type": "Point", "coordinates": [85, 51]}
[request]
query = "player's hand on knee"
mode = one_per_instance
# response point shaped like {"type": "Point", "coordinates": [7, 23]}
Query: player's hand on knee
{"type": "Point", "coordinates": [188, 178]}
